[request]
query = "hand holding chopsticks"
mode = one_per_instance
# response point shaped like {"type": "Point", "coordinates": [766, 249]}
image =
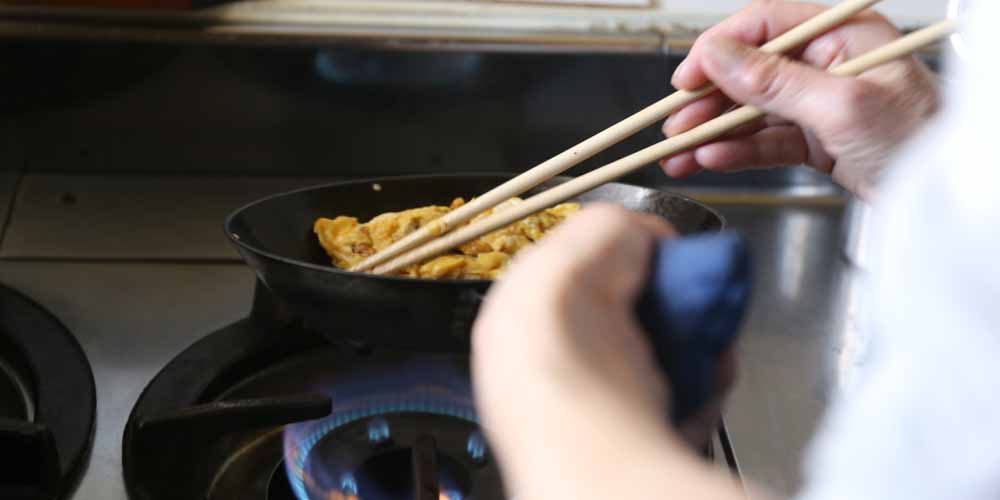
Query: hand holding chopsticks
{"type": "Point", "coordinates": [558, 164]}
{"type": "Point", "coordinates": [699, 135]}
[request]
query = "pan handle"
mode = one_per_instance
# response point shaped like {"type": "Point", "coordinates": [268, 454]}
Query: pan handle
{"type": "Point", "coordinates": [692, 307]}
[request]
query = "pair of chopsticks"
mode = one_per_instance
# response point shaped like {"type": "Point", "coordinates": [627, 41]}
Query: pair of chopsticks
{"type": "Point", "coordinates": [417, 246]}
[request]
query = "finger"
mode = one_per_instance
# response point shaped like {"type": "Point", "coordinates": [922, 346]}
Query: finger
{"type": "Point", "coordinates": [681, 166]}
{"type": "Point", "coordinates": [744, 130]}
{"type": "Point", "coordinates": [601, 251]}
{"type": "Point", "coordinates": [774, 121]}
{"type": "Point", "coordinates": [754, 25]}
{"type": "Point", "coordinates": [754, 126]}
{"type": "Point", "coordinates": [656, 225]}
{"type": "Point", "coordinates": [792, 90]}
{"type": "Point", "coordinates": [695, 114]}
{"type": "Point", "coordinates": [710, 108]}
{"type": "Point", "coordinates": [772, 147]}
{"type": "Point", "coordinates": [864, 32]}
{"type": "Point", "coordinates": [763, 21]}
{"type": "Point", "coordinates": [740, 149]}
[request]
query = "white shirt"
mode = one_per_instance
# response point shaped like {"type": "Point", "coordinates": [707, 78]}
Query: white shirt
{"type": "Point", "coordinates": [924, 422]}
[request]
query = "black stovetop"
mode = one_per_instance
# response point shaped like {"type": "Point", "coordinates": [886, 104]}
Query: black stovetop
{"type": "Point", "coordinates": [264, 408]}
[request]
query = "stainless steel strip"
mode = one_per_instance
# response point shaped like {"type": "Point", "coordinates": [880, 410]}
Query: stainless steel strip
{"type": "Point", "coordinates": [290, 34]}
{"type": "Point", "coordinates": [8, 188]}
{"type": "Point", "coordinates": [11, 165]}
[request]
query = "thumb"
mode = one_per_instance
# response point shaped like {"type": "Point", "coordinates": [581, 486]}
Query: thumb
{"type": "Point", "coordinates": [778, 85]}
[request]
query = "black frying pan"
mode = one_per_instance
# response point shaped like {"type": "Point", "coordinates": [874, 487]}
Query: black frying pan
{"type": "Point", "coordinates": [275, 237]}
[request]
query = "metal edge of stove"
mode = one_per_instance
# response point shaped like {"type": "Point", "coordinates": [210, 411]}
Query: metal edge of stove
{"type": "Point", "coordinates": [500, 41]}
{"type": "Point", "coordinates": [497, 41]}
{"type": "Point", "coordinates": [12, 156]}
{"type": "Point", "coordinates": [483, 27]}
{"type": "Point", "coordinates": [723, 452]}
{"type": "Point", "coordinates": [9, 184]}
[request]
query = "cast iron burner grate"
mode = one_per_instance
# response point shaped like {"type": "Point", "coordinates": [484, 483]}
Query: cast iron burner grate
{"type": "Point", "coordinates": [266, 409]}
{"type": "Point", "coordinates": [47, 402]}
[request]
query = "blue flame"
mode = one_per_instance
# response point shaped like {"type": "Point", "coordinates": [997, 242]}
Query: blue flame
{"type": "Point", "coordinates": [378, 430]}
{"type": "Point", "coordinates": [410, 388]}
{"type": "Point", "coordinates": [349, 485]}
{"type": "Point", "coordinates": [452, 495]}
{"type": "Point", "coordinates": [476, 446]}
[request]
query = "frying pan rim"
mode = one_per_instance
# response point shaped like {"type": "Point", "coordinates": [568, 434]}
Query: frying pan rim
{"type": "Point", "coordinates": [234, 238]}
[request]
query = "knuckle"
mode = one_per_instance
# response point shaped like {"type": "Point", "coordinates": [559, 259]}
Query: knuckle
{"type": "Point", "coordinates": [702, 39]}
{"type": "Point", "coordinates": [859, 93]}
{"type": "Point", "coordinates": [763, 77]}
{"type": "Point", "coordinates": [856, 102]}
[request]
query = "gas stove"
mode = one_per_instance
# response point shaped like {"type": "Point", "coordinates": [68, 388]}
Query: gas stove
{"type": "Point", "coordinates": [265, 408]}
{"type": "Point", "coordinates": [207, 386]}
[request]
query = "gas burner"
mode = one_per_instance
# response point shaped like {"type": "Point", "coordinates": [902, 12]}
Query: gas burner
{"type": "Point", "coordinates": [47, 402]}
{"type": "Point", "coordinates": [393, 456]}
{"type": "Point", "coordinates": [266, 409]}
{"type": "Point", "coordinates": [400, 428]}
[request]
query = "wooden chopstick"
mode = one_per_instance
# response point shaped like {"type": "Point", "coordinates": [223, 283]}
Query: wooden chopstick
{"type": "Point", "coordinates": [618, 132]}
{"type": "Point", "coordinates": [679, 143]}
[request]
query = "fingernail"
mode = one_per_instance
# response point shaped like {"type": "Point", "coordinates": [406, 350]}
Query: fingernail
{"type": "Point", "coordinates": [670, 167]}
{"type": "Point", "coordinates": [678, 71]}
{"type": "Point", "coordinates": [725, 55]}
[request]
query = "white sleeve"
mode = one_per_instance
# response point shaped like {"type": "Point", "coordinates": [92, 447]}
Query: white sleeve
{"type": "Point", "coordinates": [924, 423]}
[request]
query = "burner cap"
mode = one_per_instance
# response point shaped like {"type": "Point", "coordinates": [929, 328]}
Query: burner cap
{"type": "Point", "coordinates": [47, 402]}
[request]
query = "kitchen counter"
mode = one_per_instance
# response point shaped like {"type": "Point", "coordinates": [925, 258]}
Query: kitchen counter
{"type": "Point", "coordinates": [134, 304]}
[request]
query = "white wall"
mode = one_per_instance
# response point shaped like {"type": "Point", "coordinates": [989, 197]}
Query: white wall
{"type": "Point", "coordinates": [904, 12]}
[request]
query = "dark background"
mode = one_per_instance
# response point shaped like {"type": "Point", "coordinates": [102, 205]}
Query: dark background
{"type": "Point", "coordinates": [151, 108]}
